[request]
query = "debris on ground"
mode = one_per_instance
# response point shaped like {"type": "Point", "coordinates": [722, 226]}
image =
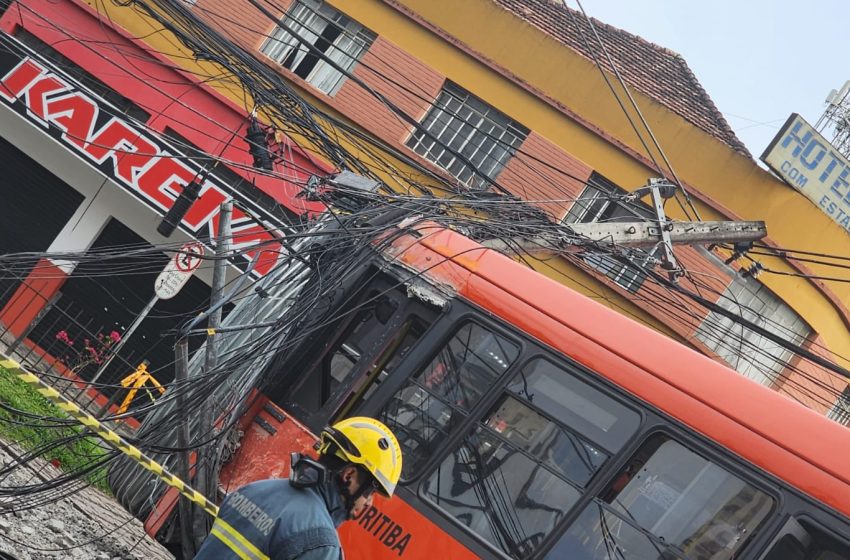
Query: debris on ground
{"type": "Point", "coordinates": [88, 525]}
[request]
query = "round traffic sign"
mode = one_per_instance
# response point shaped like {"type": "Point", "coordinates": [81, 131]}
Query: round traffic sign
{"type": "Point", "coordinates": [189, 257]}
{"type": "Point", "coordinates": [179, 269]}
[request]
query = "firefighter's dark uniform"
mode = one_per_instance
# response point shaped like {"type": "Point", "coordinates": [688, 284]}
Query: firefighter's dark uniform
{"type": "Point", "coordinates": [272, 520]}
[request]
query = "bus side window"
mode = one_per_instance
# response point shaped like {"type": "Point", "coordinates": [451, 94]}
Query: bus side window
{"type": "Point", "coordinates": [358, 357]}
{"type": "Point", "coordinates": [668, 502]}
{"type": "Point", "coordinates": [426, 409]}
{"type": "Point", "coordinates": [787, 548]}
{"type": "Point", "coordinates": [315, 388]}
{"type": "Point", "coordinates": [802, 540]}
{"type": "Point", "coordinates": [526, 463]}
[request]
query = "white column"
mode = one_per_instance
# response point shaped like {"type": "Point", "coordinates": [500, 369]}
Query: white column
{"type": "Point", "coordinates": [81, 231]}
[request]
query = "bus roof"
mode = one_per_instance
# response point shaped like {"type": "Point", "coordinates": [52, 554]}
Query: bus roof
{"type": "Point", "coordinates": [758, 424]}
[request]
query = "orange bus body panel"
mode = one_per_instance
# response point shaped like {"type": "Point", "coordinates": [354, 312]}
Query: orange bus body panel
{"type": "Point", "coordinates": [266, 455]}
{"type": "Point", "coordinates": [394, 529]}
{"type": "Point", "coordinates": [769, 430]}
{"type": "Point", "coordinates": [390, 529]}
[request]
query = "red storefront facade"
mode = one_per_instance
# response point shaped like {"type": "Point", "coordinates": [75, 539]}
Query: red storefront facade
{"type": "Point", "coordinates": [111, 132]}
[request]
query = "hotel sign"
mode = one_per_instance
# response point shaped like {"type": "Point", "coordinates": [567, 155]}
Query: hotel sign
{"type": "Point", "coordinates": [807, 161]}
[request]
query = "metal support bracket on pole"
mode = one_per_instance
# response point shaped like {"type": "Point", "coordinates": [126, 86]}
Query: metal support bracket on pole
{"type": "Point", "coordinates": [669, 259]}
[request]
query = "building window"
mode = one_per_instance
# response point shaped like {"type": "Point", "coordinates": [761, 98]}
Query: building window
{"type": "Point", "coordinates": [459, 123]}
{"type": "Point", "coordinates": [339, 38]}
{"type": "Point", "coordinates": [745, 350]}
{"type": "Point", "coordinates": [601, 202]}
{"type": "Point", "coordinates": [841, 409]}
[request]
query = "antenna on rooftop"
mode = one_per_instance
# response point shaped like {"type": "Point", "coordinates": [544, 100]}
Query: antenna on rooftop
{"type": "Point", "coordinates": [837, 117]}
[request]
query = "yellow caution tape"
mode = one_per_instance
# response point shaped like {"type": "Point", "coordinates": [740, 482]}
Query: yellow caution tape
{"type": "Point", "coordinates": [110, 437]}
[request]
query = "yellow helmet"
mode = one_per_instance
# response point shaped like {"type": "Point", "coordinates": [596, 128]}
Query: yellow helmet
{"type": "Point", "coordinates": [367, 442]}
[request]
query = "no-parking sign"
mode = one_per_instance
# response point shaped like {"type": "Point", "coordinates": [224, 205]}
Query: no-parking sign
{"type": "Point", "coordinates": [179, 269]}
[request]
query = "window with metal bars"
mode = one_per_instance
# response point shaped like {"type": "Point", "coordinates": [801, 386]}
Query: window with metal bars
{"type": "Point", "coordinates": [747, 351]}
{"type": "Point", "coordinates": [840, 411]}
{"type": "Point", "coordinates": [467, 137]}
{"type": "Point", "coordinates": [601, 202]}
{"type": "Point", "coordinates": [339, 43]}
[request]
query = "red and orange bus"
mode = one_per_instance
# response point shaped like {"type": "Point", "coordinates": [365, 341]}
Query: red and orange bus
{"type": "Point", "coordinates": [535, 422]}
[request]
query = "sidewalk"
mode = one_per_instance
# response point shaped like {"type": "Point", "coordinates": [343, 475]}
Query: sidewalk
{"type": "Point", "coordinates": [87, 525]}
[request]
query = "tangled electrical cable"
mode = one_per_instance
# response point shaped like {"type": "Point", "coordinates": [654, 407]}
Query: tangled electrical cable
{"type": "Point", "coordinates": [287, 310]}
{"type": "Point", "coordinates": [309, 292]}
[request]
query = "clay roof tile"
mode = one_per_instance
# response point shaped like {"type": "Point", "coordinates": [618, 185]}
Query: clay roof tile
{"type": "Point", "coordinates": [655, 71]}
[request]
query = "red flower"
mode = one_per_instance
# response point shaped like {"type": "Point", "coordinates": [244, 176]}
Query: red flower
{"type": "Point", "coordinates": [63, 336]}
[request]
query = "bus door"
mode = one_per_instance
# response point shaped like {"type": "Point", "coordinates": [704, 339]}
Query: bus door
{"type": "Point", "coordinates": [350, 358]}
{"type": "Point", "coordinates": [449, 375]}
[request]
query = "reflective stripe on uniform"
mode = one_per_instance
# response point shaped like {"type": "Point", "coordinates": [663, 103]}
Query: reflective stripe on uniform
{"type": "Point", "coordinates": [242, 547]}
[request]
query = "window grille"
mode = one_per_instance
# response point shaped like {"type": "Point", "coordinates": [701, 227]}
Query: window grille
{"type": "Point", "coordinates": [840, 411]}
{"type": "Point", "coordinates": [459, 123]}
{"type": "Point", "coordinates": [339, 38]}
{"type": "Point", "coordinates": [600, 202]}
{"type": "Point", "coordinates": [747, 351]}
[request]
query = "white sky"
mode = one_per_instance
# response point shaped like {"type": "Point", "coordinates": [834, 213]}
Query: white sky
{"type": "Point", "coordinates": [759, 60]}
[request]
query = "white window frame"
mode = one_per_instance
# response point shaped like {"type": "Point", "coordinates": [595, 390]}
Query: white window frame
{"type": "Point", "coordinates": [460, 123]}
{"type": "Point", "coordinates": [309, 19]}
{"type": "Point", "coordinates": [840, 411]}
{"type": "Point", "coordinates": [752, 300]}
{"type": "Point", "coordinates": [599, 203]}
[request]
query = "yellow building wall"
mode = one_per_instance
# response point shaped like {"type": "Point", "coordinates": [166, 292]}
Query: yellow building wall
{"type": "Point", "coordinates": [724, 183]}
{"type": "Point", "coordinates": [707, 167]}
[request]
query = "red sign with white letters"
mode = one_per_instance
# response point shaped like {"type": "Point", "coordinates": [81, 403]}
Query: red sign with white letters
{"type": "Point", "coordinates": [140, 162]}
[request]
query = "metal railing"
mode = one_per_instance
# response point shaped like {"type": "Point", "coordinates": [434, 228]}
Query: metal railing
{"type": "Point", "coordinates": [61, 340]}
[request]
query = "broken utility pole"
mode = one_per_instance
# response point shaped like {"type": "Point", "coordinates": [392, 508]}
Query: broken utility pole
{"type": "Point", "coordinates": [659, 232]}
{"type": "Point", "coordinates": [635, 234]}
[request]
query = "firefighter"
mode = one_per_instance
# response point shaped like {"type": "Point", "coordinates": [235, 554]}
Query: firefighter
{"type": "Point", "coordinates": [296, 518]}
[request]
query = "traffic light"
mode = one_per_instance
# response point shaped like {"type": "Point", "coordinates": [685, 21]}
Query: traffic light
{"type": "Point", "coordinates": [175, 214]}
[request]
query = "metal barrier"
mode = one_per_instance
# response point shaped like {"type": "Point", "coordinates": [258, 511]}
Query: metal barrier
{"type": "Point", "coordinates": [62, 340]}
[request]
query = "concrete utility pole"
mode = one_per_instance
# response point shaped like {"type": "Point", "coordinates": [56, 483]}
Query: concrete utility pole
{"type": "Point", "coordinates": [661, 231]}
{"type": "Point", "coordinates": [635, 234]}
{"type": "Point", "coordinates": [184, 506]}
{"type": "Point", "coordinates": [205, 471]}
